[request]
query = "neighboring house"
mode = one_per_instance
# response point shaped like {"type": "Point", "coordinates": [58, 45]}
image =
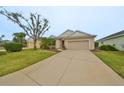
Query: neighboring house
{"type": "Point", "coordinates": [31, 45]}
{"type": "Point", "coordinates": [116, 40]}
{"type": "Point", "coordinates": [75, 40]}
{"type": "Point", "coordinates": [52, 36]}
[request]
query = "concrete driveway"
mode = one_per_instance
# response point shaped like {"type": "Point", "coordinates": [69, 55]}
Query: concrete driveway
{"type": "Point", "coordinates": [70, 67]}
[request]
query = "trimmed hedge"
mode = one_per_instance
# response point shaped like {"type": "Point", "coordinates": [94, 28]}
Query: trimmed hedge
{"type": "Point", "coordinates": [108, 48]}
{"type": "Point", "coordinates": [13, 47]}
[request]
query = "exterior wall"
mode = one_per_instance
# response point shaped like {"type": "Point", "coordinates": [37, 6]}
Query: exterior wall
{"type": "Point", "coordinates": [91, 43]}
{"type": "Point", "coordinates": [31, 45]}
{"type": "Point", "coordinates": [118, 42]}
{"type": "Point", "coordinates": [58, 44]}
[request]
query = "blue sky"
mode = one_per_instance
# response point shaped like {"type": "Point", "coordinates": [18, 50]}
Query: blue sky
{"type": "Point", "coordinates": [97, 20]}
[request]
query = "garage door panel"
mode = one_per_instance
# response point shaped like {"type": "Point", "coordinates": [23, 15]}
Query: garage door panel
{"type": "Point", "coordinates": [78, 45]}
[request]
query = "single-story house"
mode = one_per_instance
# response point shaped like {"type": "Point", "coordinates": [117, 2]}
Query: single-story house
{"type": "Point", "coordinates": [116, 40]}
{"type": "Point", "coordinates": [75, 40]}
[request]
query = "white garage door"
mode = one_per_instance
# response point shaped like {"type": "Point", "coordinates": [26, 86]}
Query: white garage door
{"type": "Point", "coordinates": [78, 45]}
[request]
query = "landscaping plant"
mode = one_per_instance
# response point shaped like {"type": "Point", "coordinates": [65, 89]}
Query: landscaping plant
{"type": "Point", "coordinates": [20, 38]}
{"type": "Point", "coordinates": [108, 48]}
{"type": "Point", "coordinates": [13, 47]}
{"type": "Point", "coordinates": [48, 43]}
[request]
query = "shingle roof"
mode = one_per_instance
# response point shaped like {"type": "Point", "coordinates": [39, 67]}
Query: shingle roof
{"type": "Point", "coordinates": [74, 34]}
{"type": "Point", "coordinates": [52, 36]}
{"type": "Point", "coordinates": [113, 35]}
{"type": "Point", "coordinates": [65, 34]}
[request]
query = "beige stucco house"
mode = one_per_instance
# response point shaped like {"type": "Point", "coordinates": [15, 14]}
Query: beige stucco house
{"type": "Point", "coordinates": [116, 40]}
{"type": "Point", "coordinates": [75, 40]}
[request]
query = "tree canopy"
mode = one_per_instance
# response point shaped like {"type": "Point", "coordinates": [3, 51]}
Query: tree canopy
{"type": "Point", "coordinates": [35, 26]}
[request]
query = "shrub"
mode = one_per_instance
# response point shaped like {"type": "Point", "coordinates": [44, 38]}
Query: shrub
{"type": "Point", "coordinates": [48, 43]}
{"type": "Point", "coordinates": [13, 47]}
{"type": "Point", "coordinates": [107, 48]}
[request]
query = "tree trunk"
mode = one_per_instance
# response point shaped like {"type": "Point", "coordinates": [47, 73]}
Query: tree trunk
{"type": "Point", "coordinates": [35, 42]}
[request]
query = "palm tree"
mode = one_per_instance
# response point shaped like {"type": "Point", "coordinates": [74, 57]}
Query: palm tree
{"type": "Point", "coordinates": [19, 37]}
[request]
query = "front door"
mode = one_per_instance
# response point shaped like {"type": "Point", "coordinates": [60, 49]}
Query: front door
{"type": "Point", "coordinates": [63, 44]}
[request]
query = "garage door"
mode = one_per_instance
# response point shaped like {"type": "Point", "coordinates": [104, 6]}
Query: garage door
{"type": "Point", "coordinates": [78, 45]}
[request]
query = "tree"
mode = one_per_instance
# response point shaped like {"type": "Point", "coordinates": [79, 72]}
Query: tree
{"type": "Point", "coordinates": [34, 26]}
{"type": "Point", "coordinates": [19, 38]}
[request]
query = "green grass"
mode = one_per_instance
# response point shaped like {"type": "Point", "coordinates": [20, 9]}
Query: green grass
{"type": "Point", "coordinates": [12, 62]}
{"type": "Point", "coordinates": [114, 59]}
{"type": "Point", "coordinates": [2, 53]}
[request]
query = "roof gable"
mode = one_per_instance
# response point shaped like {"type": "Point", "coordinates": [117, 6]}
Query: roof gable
{"type": "Point", "coordinates": [65, 34]}
{"type": "Point", "coordinates": [79, 33]}
{"type": "Point", "coordinates": [74, 34]}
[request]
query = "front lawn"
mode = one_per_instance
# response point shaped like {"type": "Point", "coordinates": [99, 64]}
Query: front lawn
{"type": "Point", "coordinates": [11, 62]}
{"type": "Point", "coordinates": [2, 53]}
{"type": "Point", "coordinates": [114, 59]}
